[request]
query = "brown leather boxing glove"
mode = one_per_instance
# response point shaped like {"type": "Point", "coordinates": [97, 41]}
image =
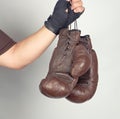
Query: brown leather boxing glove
{"type": "Point", "coordinates": [59, 81]}
{"type": "Point", "coordinates": [87, 83]}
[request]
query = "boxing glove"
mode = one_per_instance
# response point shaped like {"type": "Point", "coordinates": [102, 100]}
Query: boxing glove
{"type": "Point", "coordinates": [87, 83]}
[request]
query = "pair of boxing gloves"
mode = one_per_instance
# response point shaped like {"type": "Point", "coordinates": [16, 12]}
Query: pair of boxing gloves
{"type": "Point", "coordinates": [73, 68]}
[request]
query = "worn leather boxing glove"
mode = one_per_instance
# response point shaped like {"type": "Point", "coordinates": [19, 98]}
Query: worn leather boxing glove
{"type": "Point", "coordinates": [59, 81]}
{"type": "Point", "coordinates": [87, 83]}
{"type": "Point", "coordinates": [60, 18]}
{"type": "Point", "coordinates": [81, 61]}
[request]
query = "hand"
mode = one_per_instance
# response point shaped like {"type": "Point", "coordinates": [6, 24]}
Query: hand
{"type": "Point", "coordinates": [61, 18]}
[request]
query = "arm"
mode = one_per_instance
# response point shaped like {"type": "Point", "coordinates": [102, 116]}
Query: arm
{"type": "Point", "coordinates": [27, 50]}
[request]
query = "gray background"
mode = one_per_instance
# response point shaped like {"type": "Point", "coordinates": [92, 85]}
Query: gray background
{"type": "Point", "coordinates": [19, 93]}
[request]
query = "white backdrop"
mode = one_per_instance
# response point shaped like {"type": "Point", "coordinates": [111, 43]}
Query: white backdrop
{"type": "Point", "coordinates": [19, 93]}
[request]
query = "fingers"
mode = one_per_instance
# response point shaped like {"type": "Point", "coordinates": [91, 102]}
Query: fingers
{"type": "Point", "coordinates": [77, 5]}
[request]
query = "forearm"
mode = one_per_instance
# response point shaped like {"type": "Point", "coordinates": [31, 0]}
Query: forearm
{"type": "Point", "coordinates": [29, 49]}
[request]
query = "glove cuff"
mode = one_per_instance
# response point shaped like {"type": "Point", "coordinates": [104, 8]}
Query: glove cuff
{"type": "Point", "coordinates": [51, 27]}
